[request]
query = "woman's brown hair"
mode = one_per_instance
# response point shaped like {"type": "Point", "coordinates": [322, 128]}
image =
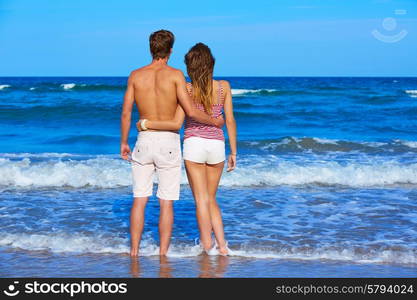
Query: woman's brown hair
{"type": "Point", "coordinates": [200, 65]}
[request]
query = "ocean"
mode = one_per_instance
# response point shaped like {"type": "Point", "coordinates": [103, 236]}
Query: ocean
{"type": "Point", "coordinates": [326, 183]}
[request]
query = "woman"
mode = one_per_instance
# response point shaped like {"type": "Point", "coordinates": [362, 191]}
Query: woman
{"type": "Point", "coordinates": [204, 146]}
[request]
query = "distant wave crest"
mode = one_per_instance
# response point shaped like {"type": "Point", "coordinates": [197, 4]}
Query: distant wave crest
{"type": "Point", "coordinates": [412, 93]}
{"type": "Point", "coordinates": [72, 86]}
{"type": "Point", "coordinates": [68, 86]}
{"type": "Point", "coordinates": [303, 144]}
{"type": "Point", "coordinates": [242, 92]}
{"type": "Point", "coordinates": [91, 87]}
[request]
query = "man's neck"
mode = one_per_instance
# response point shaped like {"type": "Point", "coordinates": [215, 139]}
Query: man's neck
{"type": "Point", "coordinates": [160, 61]}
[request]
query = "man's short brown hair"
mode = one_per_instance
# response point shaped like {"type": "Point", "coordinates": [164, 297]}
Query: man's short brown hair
{"type": "Point", "coordinates": [161, 42]}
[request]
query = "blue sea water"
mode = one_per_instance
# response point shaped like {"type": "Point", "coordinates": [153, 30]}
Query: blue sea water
{"type": "Point", "coordinates": [326, 183]}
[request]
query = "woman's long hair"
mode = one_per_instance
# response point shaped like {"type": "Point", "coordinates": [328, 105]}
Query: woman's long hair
{"type": "Point", "coordinates": [200, 65]}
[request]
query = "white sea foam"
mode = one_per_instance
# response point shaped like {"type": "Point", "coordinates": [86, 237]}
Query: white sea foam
{"type": "Point", "coordinates": [411, 144]}
{"type": "Point", "coordinates": [411, 92]}
{"type": "Point", "coordinates": [47, 155]}
{"type": "Point", "coordinates": [97, 172]}
{"type": "Point", "coordinates": [325, 141]}
{"type": "Point", "coordinates": [3, 86]}
{"type": "Point", "coordinates": [240, 91]}
{"type": "Point", "coordinates": [61, 242]}
{"type": "Point", "coordinates": [304, 143]}
{"type": "Point", "coordinates": [354, 174]}
{"type": "Point", "coordinates": [107, 172]}
{"type": "Point", "coordinates": [236, 92]}
{"type": "Point", "coordinates": [373, 144]}
{"type": "Point", "coordinates": [329, 253]}
{"type": "Point", "coordinates": [68, 86]}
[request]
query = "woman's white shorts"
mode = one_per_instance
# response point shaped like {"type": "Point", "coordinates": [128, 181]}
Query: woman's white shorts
{"type": "Point", "coordinates": [202, 150]}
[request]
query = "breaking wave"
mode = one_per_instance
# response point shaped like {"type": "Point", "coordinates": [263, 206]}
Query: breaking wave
{"type": "Point", "coordinates": [253, 170]}
{"type": "Point", "coordinates": [62, 242]}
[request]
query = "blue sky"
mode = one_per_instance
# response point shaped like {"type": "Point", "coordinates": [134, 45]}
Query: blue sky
{"type": "Point", "coordinates": [248, 38]}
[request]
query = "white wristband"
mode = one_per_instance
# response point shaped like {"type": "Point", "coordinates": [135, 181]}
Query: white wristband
{"type": "Point", "coordinates": [143, 124]}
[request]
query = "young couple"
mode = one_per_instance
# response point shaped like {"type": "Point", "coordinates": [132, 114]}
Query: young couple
{"type": "Point", "coordinates": [164, 99]}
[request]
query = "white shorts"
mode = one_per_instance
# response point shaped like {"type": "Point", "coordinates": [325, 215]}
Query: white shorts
{"type": "Point", "coordinates": [157, 152]}
{"type": "Point", "coordinates": [201, 150]}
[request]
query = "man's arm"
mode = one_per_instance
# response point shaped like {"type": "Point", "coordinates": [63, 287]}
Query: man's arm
{"type": "Point", "coordinates": [186, 103]}
{"type": "Point", "coordinates": [126, 117]}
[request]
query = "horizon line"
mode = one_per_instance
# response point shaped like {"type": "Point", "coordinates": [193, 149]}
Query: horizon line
{"type": "Point", "coordinates": [231, 76]}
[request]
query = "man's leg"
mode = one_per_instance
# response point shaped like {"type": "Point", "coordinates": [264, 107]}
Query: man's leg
{"type": "Point", "coordinates": [166, 220]}
{"type": "Point", "coordinates": [143, 170]}
{"type": "Point", "coordinates": [137, 218]}
{"type": "Point", "coordinates": [168, 169]}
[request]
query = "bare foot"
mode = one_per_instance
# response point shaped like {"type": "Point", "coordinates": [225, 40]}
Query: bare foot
{"type": "Point", "coordinates": [133, 252]}
{"type": "Point", "coordinates": [223, 251]}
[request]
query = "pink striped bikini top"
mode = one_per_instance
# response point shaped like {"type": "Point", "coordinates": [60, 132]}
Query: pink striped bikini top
{"type": "Point", "coordinates": [197, 129]}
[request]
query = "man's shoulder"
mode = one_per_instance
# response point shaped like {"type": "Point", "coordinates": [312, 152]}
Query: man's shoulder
{"type": "Point", "coordinates": [138, 71]}
{"type": "Point", "coordinates": [175, 72]}
{"type": "Point", "coordinates": [138, 74]}
{"type": "Point", "coordinates": [167, 71]}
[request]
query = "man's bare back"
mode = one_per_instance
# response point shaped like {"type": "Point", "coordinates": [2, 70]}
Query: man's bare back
{"type": "Point", "coordinates": [155, 91]}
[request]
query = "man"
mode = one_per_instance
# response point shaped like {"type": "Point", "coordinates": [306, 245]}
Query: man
{"type": "Point", "coordinates": [156, 89]}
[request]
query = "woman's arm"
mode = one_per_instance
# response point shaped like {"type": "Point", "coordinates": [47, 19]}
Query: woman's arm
{"type": "Point", "coordinates": [231, 126]}
{"type": "Point", "coordinates": [174, 124]}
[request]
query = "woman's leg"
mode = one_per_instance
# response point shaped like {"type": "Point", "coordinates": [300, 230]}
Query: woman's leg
{"type": "Point", "coordinates": [214, 172]}
{"type": "Point", "coordinates": [197, 176]}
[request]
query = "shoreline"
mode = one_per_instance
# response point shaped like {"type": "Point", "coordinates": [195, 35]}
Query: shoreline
{"type": "Point", "coordinates": [111, 265]}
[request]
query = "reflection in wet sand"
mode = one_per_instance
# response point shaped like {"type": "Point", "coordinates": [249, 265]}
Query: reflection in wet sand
{"type": "Point", "coordinates": [134, 267]}
{"type": "Point", "coordinates": [209, 266]}
{"type": "Point", "coordinates": [213, 266]}
{"type": "Point", "coordinates": [164, 267]}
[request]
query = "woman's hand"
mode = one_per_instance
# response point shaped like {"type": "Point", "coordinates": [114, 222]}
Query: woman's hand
{"type": "Point", "coordinates": [219, 121]}
{"type": "Point", "coordinates": [138, 125]}
{"type": "Point", "coordinates": [231, 162]}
